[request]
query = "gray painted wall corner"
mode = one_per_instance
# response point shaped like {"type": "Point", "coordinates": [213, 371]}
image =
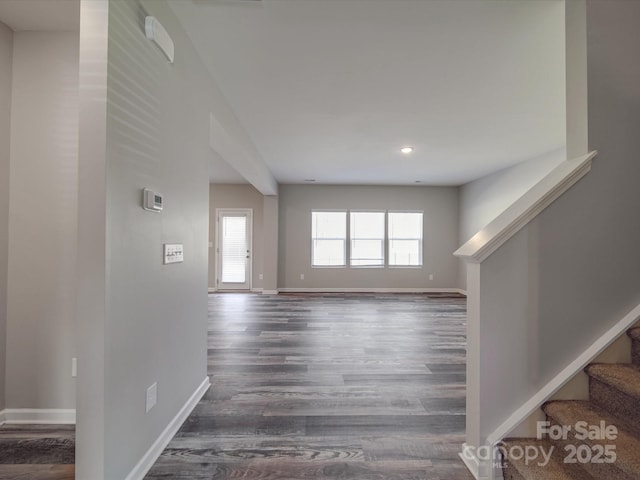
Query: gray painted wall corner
{"type": "Point", "coordinates": [6, 63]}
{"type": "Point", "coordinates": [41, 336]}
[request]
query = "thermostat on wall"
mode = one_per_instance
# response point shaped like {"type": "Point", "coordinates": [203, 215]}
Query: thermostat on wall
{"type": "Point", "coordinates": [152, 201]}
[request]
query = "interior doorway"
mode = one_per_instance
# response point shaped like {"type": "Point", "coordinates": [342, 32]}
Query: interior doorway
{"type": "Point", "coordinates": [234, 247]}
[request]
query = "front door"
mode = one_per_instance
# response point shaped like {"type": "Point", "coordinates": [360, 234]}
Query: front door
{"type": "Point", "coordinates": [234, 249]}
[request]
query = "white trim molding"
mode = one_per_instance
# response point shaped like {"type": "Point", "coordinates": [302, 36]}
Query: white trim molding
{"type": "Point", "coordinates": [569, 372]}
{"type": "Point", "coordinates": [470, 460]}
{"type": "Point", "coordinates": [270, 292]}
{"type": "Point", "coordinates": [149, 458]}
{"type": "Point", "coordinates": [38, 416]}
{"type": "Point", "coordinates": [525, 209]}
{"type": "Point", "coordinates": [371, 290]}
{"type": "Point", "coordinates": [481, 469]}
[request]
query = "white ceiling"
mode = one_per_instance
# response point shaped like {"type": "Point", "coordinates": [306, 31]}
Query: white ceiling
{"type": "Point", "coordinates": [40, 15]}
{"type": "Point", "coordinates": [331, 89]}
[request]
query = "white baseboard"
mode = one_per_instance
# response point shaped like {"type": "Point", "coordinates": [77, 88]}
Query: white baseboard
{"type": "Point", "coordinates": [470, 460]}
{"type": "Point", "coordinates": [371, 290]}
{"type": "Point", "coordinates": [149, 458]}
{"type": "Point", "coordinates": [354, 290]}
{"type": "Point", "coordinates": [38, 416]}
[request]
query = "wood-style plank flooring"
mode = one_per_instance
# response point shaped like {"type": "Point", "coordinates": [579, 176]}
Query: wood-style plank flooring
{"type": "Point", "coordinates": [356, 386]}
{"type": "Point", "coordinates": [37, 452]}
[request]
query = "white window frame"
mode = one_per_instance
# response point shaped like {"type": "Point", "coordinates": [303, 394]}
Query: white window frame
{"type": "Point", "coordinates": [384, 238]}
{"type": "Point", "coordinates": [421, 242]}
{"type": "Point", "coordinates": [346, 238]}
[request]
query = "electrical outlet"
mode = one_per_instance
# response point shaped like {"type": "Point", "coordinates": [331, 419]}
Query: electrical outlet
{"type": "Point", "coordinates": [431, 276]}
{"type": "Point", "coordinates": [152, 396]}
{"type": "Point", "coordinates": [261, 277]}
{"type": "Point", "coordinates": [74, 367]}
{"type": "Point", "coordinates": [302, 276]}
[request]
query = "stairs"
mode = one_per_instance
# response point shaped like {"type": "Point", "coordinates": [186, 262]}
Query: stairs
{"type": "Point", "coordinates": [587, 450]}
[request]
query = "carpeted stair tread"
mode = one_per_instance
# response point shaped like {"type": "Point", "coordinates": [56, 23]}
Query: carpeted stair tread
{"type": "Point", "coordinates": [627, 444]}
{"type": "Point", "coordinates": [556, 469]}
{"type": "Point", "coordinates": [622, 376]}
{"type": "Point", "coordinates": [634, 333]}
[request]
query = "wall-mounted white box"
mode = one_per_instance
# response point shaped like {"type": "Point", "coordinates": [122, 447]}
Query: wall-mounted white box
{"type": "Point", "coordinates": [173, 253]}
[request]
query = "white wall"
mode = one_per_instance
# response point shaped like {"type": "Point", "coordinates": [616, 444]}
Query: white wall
{"type": "Point", "coordinates": [237, 196]}
{"type": "Point", "coordinates": [144, 123]}
{"type": "Point", "coordinates": [42, 221]}
{"type": "Point", "coordinates": [6, 59]}
{"type": "Point", "coordinates": [440, 206]}
{"type": "Point", "coordinates": [484, 199]}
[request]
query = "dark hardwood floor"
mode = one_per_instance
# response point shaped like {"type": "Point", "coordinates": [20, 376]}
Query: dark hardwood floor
{"type": "Point", "coordinates": [37, 452]}
{"type": "Point", "coordinates": [357, 386]}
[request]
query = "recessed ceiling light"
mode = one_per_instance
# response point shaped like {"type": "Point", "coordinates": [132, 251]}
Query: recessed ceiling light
{"type": "Point", "coordinates": [406, 150]}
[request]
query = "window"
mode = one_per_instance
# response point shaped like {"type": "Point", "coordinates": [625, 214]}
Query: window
{"type": "Point", "coordinates": [367, 239]}
{"type": "Point", "coordinates": [329, 238]}
{"type": "Point", "coordinates": [405, 239]}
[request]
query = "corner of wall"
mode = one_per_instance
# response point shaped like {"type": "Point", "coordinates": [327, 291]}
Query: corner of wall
{"type": "Point", "coordinates": [6, 70]}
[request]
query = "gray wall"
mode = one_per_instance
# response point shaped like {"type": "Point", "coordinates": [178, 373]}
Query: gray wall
{"type": "Point", "coordinates": [484, 199]}
{"type": "Point", "coordinates": [42, 221]}
{"type": "Point", "coordinates": [6, 55]}
{"type": "Point", "coordinates": [440, 206]}
{"type": "Point", "coordinates": [270, 223]}
{"type": "Point", "coordinates": [573, 272]}
{"type": "Point", "coordinates": [237, 196]}
{"type": "Point", "coordinates": [149, 319]}
{"type": "Point", "coordinates": [157, 315]}
{"type": "Point", "coordinates": [589, 262]}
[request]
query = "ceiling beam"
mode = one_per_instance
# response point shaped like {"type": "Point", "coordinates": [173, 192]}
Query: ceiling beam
{"type": "Point", "coordinates": [248, 164]}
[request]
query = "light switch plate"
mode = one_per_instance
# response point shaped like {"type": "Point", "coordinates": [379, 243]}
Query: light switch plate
{"type": "Point", "coordinates": [173, 253]}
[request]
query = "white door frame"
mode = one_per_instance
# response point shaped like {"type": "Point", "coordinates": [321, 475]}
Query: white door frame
{"type": "Point", "coordinates": [249, 213]}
